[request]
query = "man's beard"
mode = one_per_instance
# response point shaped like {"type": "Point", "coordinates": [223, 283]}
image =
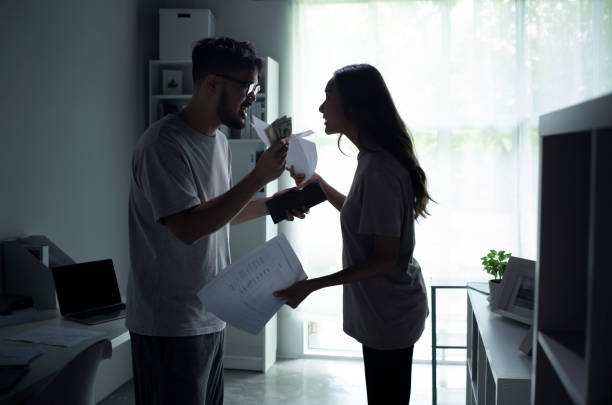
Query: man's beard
{"type": "Point", "coordinates": [225, 114]}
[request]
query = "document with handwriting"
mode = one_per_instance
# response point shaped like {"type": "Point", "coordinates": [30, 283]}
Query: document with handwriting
{"type": "Point", "coordinates": [241, 294]}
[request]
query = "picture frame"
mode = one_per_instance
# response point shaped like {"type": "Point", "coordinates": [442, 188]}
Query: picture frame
{"type": "Point", "coordinates": [516, 298]}
{"type": "Point", "coordinates": [172, 81]}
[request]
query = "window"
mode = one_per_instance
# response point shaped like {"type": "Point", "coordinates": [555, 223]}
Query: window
{"type": "Point", "coordinates": [469, 79]}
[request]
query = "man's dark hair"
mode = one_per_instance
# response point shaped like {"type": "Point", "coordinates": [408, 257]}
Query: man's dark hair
{"type": "Point", "coordinates": [222, 55]}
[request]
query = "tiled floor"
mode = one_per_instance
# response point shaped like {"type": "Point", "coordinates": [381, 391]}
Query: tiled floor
{"type": "Point", "coordinates": [307, 381]}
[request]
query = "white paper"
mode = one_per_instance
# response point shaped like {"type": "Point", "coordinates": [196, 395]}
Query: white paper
{"type": "Point", "coordinates": [302, 134]}
{"type": "Point", "coordinates": [302, 155]}
{"type": "Point", "coordinates": [241, 294]}
{"type": "Point", "coordinates": [18, 355]}
{"type": "Point", "coordinates": [56, 335]}
{"type": "Point", "coordinates": [259, 126]}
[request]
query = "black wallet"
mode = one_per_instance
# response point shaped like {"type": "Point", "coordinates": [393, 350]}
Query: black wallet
{"type": "Point", "coordinates": [309, 196]}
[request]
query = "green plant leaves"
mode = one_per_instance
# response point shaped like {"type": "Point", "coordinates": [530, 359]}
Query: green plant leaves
{"type": "Point", "coordinates": [494, 263]}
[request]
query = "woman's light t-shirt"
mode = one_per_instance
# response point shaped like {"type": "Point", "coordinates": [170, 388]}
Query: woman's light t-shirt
{"type": "Point", "coordinates": [389, 311]}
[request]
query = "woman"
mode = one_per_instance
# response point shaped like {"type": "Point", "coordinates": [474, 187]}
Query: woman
{"type": "Point", "coordinates": [385, 301]}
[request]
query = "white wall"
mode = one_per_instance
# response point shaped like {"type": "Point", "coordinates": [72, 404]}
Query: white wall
{"type": "Point", "coordinates": [72, 104]}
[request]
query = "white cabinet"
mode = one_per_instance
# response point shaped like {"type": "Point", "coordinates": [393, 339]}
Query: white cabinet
{"type": "Point", "coordinates": [573, 277]}
{"type": "Point", "coordinates": [243, 350]}
{"type": "Point", "coordinates": [497, 372]}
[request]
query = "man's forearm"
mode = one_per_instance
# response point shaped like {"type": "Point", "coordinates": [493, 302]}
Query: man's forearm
{"type": "Point", "coordinates": [212, 215]}
{"type": "Point", "coordinates": [253, 209]}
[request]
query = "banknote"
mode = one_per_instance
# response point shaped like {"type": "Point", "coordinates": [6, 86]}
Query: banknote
{"type": "Point", "coordinates": [280, 128]}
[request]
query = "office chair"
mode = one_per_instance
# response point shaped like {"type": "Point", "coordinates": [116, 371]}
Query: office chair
{"type": "Point", "coordinates": [74, 384]}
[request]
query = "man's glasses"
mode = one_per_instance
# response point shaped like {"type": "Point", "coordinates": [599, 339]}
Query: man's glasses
{"type": "Point", "coordinates": [248, 86]}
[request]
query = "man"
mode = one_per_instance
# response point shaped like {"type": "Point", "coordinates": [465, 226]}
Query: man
{"type": "Point", "coordinates": [181, 205]}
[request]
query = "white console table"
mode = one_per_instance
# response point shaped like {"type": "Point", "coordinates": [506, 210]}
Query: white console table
{"type": "Point", "coordinates": [497, 372]}
{"type": "Point", "coordinates": [112, 373]}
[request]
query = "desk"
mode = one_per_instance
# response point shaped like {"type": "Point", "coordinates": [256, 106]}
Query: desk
{"type": "Point", "coordinates": [111, 373]}
{"type": "Point", "coordinates": [497, 373]}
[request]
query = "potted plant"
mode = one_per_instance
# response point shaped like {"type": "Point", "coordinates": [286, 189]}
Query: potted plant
{"type": "Point", "coordinates": [494, 263]}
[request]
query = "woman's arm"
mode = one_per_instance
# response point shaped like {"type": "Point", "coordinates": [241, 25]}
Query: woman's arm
{"type": "Point", "coordinates": [335, 197]}
{"type": "Point", "coordinates": [383, 261]}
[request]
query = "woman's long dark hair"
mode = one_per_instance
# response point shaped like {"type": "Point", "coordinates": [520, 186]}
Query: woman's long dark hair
{"type": "Point", "coordinates": [367, 102]}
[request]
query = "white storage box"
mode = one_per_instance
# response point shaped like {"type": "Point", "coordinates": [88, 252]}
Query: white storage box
{"type": "Point", "coordinates": [181, 28]}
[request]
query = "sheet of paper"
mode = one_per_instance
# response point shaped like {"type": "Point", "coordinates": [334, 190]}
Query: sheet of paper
{"type": "Point", "coordinates": [302, 155]}
{"type": "Point", "coordinates": [56, 335]}
{"type": "Point", "coordinates": [259, 126]}
{"type": "Point", "coordinates": [302, 134]}
{"type": "Point", "coordinates": [18, 355]}
{"type": "Point", "coordinates": [241, 294]}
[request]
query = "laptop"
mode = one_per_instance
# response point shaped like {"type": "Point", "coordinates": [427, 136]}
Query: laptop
{"type": "Point", "coordinates": [88, 292]}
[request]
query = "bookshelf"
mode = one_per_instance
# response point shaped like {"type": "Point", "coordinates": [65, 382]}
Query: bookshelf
{"type": "Point", "coordinates": [573, 303]}
{"type": "Point", "coordinates": [160, 104]}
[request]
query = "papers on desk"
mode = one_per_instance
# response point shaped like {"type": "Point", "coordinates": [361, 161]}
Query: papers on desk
{"type": "Point", "coordinates": [302, 154]}
{"type": "Point", "coordinates": [242, 293]}
{"type": "Point", "coordinates": [56, 335]}
{"type": "Point", "coordinates": [18, 355]}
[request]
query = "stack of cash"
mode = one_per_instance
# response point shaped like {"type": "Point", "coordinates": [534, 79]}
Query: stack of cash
{"type": "Point", "coordinates": [280, 128]}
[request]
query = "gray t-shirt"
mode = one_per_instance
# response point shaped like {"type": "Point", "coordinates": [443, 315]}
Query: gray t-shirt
{"type": "Point", "coordinates": [174, 168]}
{"type": "Point", "coordinates": [384, 312]}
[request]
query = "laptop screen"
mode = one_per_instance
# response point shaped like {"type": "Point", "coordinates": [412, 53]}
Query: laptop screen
{"type": "Point", "coordinates": [84, 286]}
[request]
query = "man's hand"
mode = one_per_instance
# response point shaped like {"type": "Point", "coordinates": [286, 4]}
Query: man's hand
{"type": "Point", "coordinates": [299, 177]}
{"type": "Point", "coordinates": [272, 162]}
{"type": "Point", "coordinates": [299, 212]}
{"type": "Point", "coordinates": [296, 293]}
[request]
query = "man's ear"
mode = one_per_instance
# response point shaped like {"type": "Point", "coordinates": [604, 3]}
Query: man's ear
{"type": "Point", "coordinates": [211, 83]}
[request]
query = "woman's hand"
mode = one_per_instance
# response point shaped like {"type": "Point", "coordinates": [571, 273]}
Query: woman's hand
{"type": "Point", "coordinates": [296, 293]}
{"type": "Point", "coordinates": [299, 177]}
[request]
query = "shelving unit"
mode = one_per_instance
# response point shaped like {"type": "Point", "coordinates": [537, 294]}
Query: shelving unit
{"type": "Point", "coordinates": [497, 372]}
{"type": "Point", "coordinates": [265, 107]}
{"type": "Point", "coordinates": [573, 277]}
{"type": "Point", "coordinates": [159, 103]}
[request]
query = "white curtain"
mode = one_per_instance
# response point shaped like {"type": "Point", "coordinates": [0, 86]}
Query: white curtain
{"type": "Point", "coordinates": [470, 78]}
